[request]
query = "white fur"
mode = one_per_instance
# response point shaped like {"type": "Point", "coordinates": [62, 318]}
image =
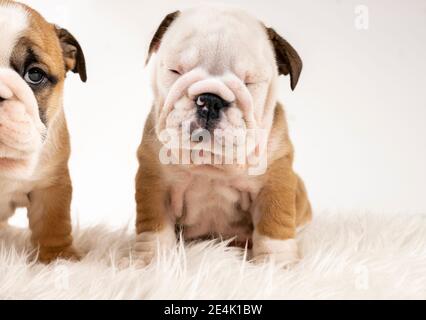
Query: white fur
{"type": "Point", "coordinates": [21, 128]}
{"type": "Point", "coordinates": [283, 252]}
{"type": "Point", "coordinates": [244, 55]}
{"type": "Point", "coordinates": [210, 207]}
{"type": "Point", "coordinates": [149, 245]}
{"type": "Point", "coordinates": [220, 50]}
{"type": "Point", "coordinates": [13, 22]}
{"type": "Point", "coordinates": [345, 256]}
{"type": "Point", "coordinates": [211, 203]}
{"type": "Point", "coordinates": [21, 135]}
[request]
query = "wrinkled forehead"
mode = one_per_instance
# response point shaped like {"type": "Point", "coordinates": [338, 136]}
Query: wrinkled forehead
{"type": "Point", "coordinates": [216, 39]}
{"type": "Point", "coordinates": [14, 22]}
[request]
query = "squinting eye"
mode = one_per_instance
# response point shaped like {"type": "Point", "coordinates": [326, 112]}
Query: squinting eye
{"type": "Point", "coordinates": [35, 76]}
{"type": "Point", "coordinates": [174, 71]}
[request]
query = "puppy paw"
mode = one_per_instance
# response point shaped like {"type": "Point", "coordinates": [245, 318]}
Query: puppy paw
{"type": "Point", "coordinates": [49, 255]}
{"type": "Point", "coordinates": [147, 246]}
{"type": "Point", "coordinates": [282, 252]}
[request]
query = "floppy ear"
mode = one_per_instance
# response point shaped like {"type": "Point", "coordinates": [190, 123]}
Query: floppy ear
{"type": "Point", "coordinates": [288, 60]}
{"type": "Point", "coordinates": [158, 36]}
{"type": "Point", "coordinates": [72, 52]}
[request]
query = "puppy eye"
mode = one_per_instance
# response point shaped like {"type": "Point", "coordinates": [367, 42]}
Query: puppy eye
{"type": "Point", "coordinates": [256, 83]}
{"type": "Point", "coordinates": [35, 76]}
{"type": "Point", "coordinates": [174, 71]}
{"type": "Point", "coordinates": [249, 82]}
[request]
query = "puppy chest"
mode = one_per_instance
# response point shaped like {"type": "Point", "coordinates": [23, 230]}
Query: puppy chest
{"type": "Point", "coordinates": [12, 195]}
{"type": "Point", "coordinates": [214, 208]}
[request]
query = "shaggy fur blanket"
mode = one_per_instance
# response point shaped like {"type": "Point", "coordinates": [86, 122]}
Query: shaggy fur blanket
{"type": "Point", "coordinates": [346, 256]}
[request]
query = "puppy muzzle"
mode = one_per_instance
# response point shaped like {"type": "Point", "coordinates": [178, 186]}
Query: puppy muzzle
{"type": "Point", "coordinates": [211, 96]}
{"type": "Point", "coordinates": [209, 109]}
{"type": "Point", "coordinates": [212, 116]}
{"type": "Point", "coordinates": [21, 129]}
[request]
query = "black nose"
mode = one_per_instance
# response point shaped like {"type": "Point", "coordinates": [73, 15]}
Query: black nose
{"type": "Point", "coordinates": [209, 107]}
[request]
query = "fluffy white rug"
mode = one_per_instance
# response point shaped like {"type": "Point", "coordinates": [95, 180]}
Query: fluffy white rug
{"type": "Point", "coordinates": [345, 256]}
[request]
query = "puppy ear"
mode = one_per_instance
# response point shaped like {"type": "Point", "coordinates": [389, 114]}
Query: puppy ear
{"type": "Point", "coordinates": [288, 60]}
{"type": "Point", "coordinates": [72, 52]}
{"type": "Point", "coordinates": [158, 36]}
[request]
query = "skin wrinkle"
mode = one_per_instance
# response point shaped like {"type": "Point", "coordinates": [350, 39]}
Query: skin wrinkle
{"type": "Point", "coordinates": [41, 184]}
{"type": "Point", "coordinates": [217, 196]}
{"type": "Point", "coordinates": [20, 89]}
{"type": "Point", "coordinates": [176, 92]}
{"type": "Point", "coordinates": [5, 92]}
{"type": "Point", "coordinates": [24, 131]}
{"type": "Point", "coordinates": [245, 100]}
{"type": "Point", "coordinates": [214, 86]}
{"type": "Point", "coordinates": [189, 82]}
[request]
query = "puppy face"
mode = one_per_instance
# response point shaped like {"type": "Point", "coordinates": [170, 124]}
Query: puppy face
{"type": "Point", "coordinates": [34, 58]}
{"type": "Point", "coordinates": [216, 71]}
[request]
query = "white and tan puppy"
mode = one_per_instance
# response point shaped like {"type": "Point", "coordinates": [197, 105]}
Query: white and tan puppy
{"type": "Point", "coordinates": [34, 142]}
{"type": "Point", "coordinates": [215, 79]}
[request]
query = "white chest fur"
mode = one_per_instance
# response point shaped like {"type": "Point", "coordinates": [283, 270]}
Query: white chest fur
{"type": "Point", "coordinates": [214, 206]}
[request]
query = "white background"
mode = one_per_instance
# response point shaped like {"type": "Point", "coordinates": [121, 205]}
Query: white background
{"type": "Point", "coordinates": [357, 117]}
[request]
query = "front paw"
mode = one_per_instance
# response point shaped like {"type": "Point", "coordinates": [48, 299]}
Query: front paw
{"type": "Point", "coordinates": [149, 245]}
{"type": "Point", "coordinates": [282, 252]}
{"type": "Point", "coordinates": [48, 255]}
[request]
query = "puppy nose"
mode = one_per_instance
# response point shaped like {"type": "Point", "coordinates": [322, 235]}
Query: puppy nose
{"type": "Point", "coordinates": [209, 106]}
{"type": "Point", "coordinates": [211, 101]}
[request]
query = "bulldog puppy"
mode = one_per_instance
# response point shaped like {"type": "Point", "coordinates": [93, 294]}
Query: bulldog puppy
{"type": "Point", "coordinates": [215, 75]}
{"type": "Point", "coordinates": [34, 141]}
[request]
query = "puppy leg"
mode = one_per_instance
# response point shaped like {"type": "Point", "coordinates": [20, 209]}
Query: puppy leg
{"type": "Point", "coordinates": [50, 221]}
{"type": "Point", "coordinates": [275, 220]}
{"type": "Point", "coordinates": [155, 229]}
{"type": "Point", "coordinates": [151, 244]}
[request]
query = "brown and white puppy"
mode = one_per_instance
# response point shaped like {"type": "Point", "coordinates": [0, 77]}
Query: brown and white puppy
{"type": "Point", "coordinates": [216, 72]}
{"type": "Point", "coordinates": [34, 141]}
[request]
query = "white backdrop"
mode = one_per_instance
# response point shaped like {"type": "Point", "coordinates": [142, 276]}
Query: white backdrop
{"type": "Point", "coordinates": [357, 117]}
